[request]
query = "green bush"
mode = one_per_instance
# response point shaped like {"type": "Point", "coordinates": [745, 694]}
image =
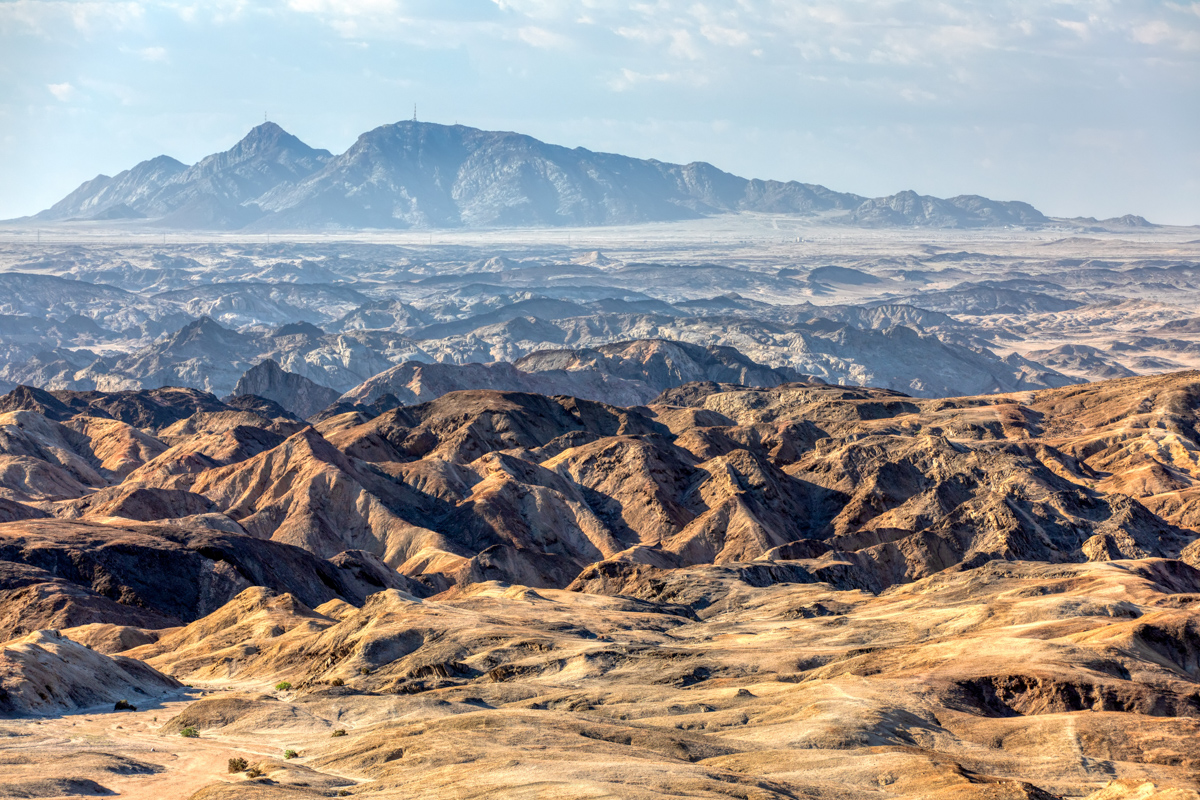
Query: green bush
{"type": "Point", "coordinates": [365, 670]}
{"type": "Point", "coordinates": [337, 682]}
{"type": "Point", "coordinates": [190, 733]}
{"type": "Point", "coordinates": [124, 705]}
{"type": "Point", "coordinates": [340, 732]}
{"type": "Point", "coordinates": [290, 754]}
{"type": "Point", "coordinates": [238, 764]}
{"type": "Point", "coordinates": [282, 686]}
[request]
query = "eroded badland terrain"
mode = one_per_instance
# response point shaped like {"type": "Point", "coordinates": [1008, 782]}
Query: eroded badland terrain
{"type": "Point", "coordinates": [507, 515]}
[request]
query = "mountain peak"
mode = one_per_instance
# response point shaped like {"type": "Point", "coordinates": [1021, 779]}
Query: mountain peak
{"type": "Point", "coordinates": [268, 137]}
{"type": "Point", "coordinates": [267, 128]}
{"type": "Point", "coordinates": [204, 329]}
{"type": "Point", "coordinates": [266, 132]}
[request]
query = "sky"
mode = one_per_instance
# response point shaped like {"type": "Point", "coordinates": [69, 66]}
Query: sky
{"type": "Point", "coordinates": [1081, 107]}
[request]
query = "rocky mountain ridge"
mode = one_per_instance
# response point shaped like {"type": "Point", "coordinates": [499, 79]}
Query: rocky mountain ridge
{"type": "Point", "coordinates": [425, 175]}
{"type": "Point", "coordinates": [882, 487]}
{"type": "Point", "coordinates": [335, 336]}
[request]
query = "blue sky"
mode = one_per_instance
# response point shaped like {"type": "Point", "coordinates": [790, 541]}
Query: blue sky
{"type": "Point", "coordinates": [1082, 107]}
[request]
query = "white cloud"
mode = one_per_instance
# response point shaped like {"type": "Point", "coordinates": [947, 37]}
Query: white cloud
{"type": "Point", "coordinates": [345, 8]}
{"type": "Point", "coordinates": [154, 54]}
{"type": "Point", "coordinates": [638, 34]}
{"type": "Point", "coordinates": [718, 34]}
{"type": "Point", "coordinates": [423, 24]}
{"type": "Point", "coordinates": [683, 46]}
{"type": "Point", "coordinates": [627, 79]}
{"type": "Point", "coordinates": [1080, 29]}
{"type": "Point", "coordinates": [540, 9]}
{"type": "Point", "coordinates": [58, 17]}
{"type": "Point", "coordinates": [61, 91]}
{"type": "Point", "coordinates": [1152, 32]}
{"type": "Point", "coordinates": [1159, 32]}
{"type": "Point", "coordinates": [540, 37]}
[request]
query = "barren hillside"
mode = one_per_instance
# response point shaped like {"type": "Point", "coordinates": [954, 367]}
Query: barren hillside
{"type": "Point", "coordinates": [797, 591]}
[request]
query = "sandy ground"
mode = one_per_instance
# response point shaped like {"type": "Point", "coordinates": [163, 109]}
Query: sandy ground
{"type": "Point", "coordinates": [188, 764]}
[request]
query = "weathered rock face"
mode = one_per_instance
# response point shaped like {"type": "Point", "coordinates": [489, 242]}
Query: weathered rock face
{"type": "Point", "coordinates": [293, 392]}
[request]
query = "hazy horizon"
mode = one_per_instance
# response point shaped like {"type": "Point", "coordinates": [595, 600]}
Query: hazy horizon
{"type": "Point", "coordinates": [1082, 109]}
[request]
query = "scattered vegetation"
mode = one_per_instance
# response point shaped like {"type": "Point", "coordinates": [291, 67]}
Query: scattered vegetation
{"type": "Point", "coordinates": [124, 705]}
{"type": "Point", "coordinates": [337, 682]}
{"type": "Point", "coordinates": [254, 772]}
{"type": "Point", "coordinates": [282, 686]}
{"type": "Point", "coordinates": [238, 764]}
{"type": "Point", "coordinates": [343, 793]}
{"type": "Point", "coordinates": [190, 733]}
{"type": "Point", "coordinates": [290, 754]}
{"type": "Point", "coordinates": [340, 732]}
{"type": "Point", "coordinates": [365, 670]}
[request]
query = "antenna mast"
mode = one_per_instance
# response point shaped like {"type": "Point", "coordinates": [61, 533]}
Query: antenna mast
{"type": "Point", "coordinates": [414, 112]}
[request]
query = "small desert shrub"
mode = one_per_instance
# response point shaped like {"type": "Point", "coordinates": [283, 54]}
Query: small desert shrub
{"type": "Point", "coordinates": [282, 686]}
{"type": "Point", "coordinates": [337, 682]}
{"type": "Point", "coordinates": [124, 705]}
{"type": "Point", "coordinates": [343, 793]}
{"type": "Point", "coordinates": [190, 733]}
{"type": "Point", "coordinates": [290, 754]}
{"type": "Point", "coordinates": [238, 764]}
{"type": "Point", "coordinates": [365, 670]}
{"type": "Point", "coordinates": [340, 732]}
{"type": "Point", "coordinates": [254, 772]}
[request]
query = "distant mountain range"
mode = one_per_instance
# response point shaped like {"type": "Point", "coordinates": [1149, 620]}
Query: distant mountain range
{"type": "Point", "coordinates": [57, 333]}
{"type": "Point", "coordinates": [425, 175]}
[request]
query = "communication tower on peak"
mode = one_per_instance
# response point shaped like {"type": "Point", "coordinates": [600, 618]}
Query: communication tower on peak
{"type": "Point", "coordinates": [414, 112]}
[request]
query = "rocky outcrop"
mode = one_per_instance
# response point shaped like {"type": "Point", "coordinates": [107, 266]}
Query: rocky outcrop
{"type": "Point", "coordinates": [661, 365]}
{"type": "Point", "coordinates": [414, 382]}
{"type": "Point", "coordinates": [293, 392]}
